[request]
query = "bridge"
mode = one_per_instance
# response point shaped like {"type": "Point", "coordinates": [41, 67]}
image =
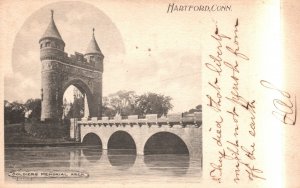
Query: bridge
{"type": "Point", "coordinates": [143, 131]}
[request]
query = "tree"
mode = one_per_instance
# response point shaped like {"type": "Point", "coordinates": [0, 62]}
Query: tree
{"type": "Point", "coordinates": [152, 103]}
{"type": "Point", "coordinates": [198, 108]}
{"type": "Point", "coordinates": [107, 109]}
{"type": "Point", "coordinates": [122, 102]}
{"type": "Point", "coordinates": [33, 106]}
{"type": "Point", "coordinates": [76, 108]}
{"type": "Point", "coordinates": [128, 103]}
{"type": "Point", "coordinates": [14, 112]}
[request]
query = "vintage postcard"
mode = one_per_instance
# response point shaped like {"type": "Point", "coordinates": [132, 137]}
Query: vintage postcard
{"type": "Point", "coordinates": [149, 93]}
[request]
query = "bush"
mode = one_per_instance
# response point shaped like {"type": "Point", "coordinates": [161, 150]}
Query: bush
{"type": "Point", "coordinates": [48, 129]}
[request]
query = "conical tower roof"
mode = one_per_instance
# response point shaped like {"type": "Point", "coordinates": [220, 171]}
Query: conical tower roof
{"type": "Point", "coordinates": [93, 47]}
{"type": "Point", "coordinates": [52, 31]}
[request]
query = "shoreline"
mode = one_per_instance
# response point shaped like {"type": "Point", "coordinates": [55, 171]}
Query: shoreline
{"type": "Point", "coordinates": [9, 145]}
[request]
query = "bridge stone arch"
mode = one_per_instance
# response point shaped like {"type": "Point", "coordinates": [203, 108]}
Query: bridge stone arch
{"type": "Point", "coordinates": [91, 135]}
{"type": "Point", "coordinates": [105, 133]}
{"type": "Point", "coordinates": [191, 135]}
{"type": "Point", "coordinates": [125, 133]}
{"type": "Point", "coordinates": [172, 134]}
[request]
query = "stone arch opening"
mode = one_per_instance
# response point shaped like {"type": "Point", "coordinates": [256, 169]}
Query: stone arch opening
{"type": "Point", "coordinates": [92, 139]}
{"type": "Point", "coordinates": [75, 90]}
{"type": "Point", "coordinates": [121, 150]}
{"type": "Point", "coordinates": [121, 140]}
{"type": "Point", "coordinates": [167, 152]}
{"type": "Point", "coordinates": [73, 103]}
{"type": "Point", "coordinates": [92, 147]}
{"type": "Point", "coordinates": [165, 143]}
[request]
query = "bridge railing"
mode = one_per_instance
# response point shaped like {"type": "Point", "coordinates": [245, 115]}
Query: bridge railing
{"type": "Point", "coordinates": [150, 119]}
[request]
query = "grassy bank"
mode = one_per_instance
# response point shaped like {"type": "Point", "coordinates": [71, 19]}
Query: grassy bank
{"type": "Point", "coordinates": [16, 134]}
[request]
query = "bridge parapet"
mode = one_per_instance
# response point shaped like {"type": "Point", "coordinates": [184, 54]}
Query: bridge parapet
{"type": "Point", "coordinates": [191, 120]}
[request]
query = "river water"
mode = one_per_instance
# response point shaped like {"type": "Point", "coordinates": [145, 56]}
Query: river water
{"type": "Point", "coordinates": [105, 166]}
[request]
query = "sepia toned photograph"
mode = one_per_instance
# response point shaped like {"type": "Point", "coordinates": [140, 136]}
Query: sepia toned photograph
{"type": "Point", "coordinates": [104, 95]}
{"type": "Point", "coordinates": [149, 93]}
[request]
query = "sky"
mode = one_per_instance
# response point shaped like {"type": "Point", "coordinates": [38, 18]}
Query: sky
{"type": "Point", "coordinates": [145, 49]}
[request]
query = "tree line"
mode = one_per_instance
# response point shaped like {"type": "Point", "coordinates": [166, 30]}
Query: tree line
{"type": "Point", "coordinates": [16, 112]}
{"type": "Point", "coordinates": [129, 103]}
{"type": "Point", "coordinates": [123, 102]}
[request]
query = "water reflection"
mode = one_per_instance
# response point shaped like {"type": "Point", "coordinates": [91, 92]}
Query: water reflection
{"type": "Point", "coordinates": [170, 164]}
{"type": "Point", "coordinates": [92, 153]}
{"type": "Point", "coordinates": [121, 158]}
{"type": "Point", "coordinates": [37, 157]}
{"type": "Point", "coordinates": [104, 165]}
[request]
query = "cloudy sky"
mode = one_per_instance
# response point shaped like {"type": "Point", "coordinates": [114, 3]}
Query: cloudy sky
{"type": "Point", "coordinates": [145, 49]}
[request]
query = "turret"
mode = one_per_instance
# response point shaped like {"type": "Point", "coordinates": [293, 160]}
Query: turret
{"type": "Point", "coordinates": [51, 43]}
{"type": "Point", "coordinates": [51, 51]}
{"type": "Point", "coordinates": [93, 53]}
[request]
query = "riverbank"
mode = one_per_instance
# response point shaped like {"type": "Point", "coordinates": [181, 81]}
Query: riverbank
{"type": "Point", "coordinates": [66, 144]}
{"type": "Point", "coordinates": [16, 136]}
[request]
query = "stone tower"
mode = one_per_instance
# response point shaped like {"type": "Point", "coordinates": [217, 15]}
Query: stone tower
{"type": "Point", "coordinates": [59, 71]}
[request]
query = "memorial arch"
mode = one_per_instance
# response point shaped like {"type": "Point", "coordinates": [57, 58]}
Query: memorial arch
{"type": "Point", "coordinates": [59, 71]}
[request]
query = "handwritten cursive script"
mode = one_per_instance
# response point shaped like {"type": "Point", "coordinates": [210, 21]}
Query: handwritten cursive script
{"type": "Point", "coordinates": [238, 111]}
{"type": "Point", "coordinates": [285, 110]}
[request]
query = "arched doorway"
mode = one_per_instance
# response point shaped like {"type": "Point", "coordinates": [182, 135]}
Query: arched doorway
{"type": "Point", "coordinates": [166, 152]}
{"type": "Point", "coordinates": [121, 150]}
{"type": "Point", "coordinates": [79, 93]}
{"type": "Point", "coordinates": [53, 99]}
{"type": "Point", "coordinates": [92, 147]}
{"type": "Point", "coordinates": [73, 103]}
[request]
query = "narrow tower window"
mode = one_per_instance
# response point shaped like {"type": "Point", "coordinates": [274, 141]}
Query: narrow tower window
{"type": "Point", "coordinates": [92, 58]}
